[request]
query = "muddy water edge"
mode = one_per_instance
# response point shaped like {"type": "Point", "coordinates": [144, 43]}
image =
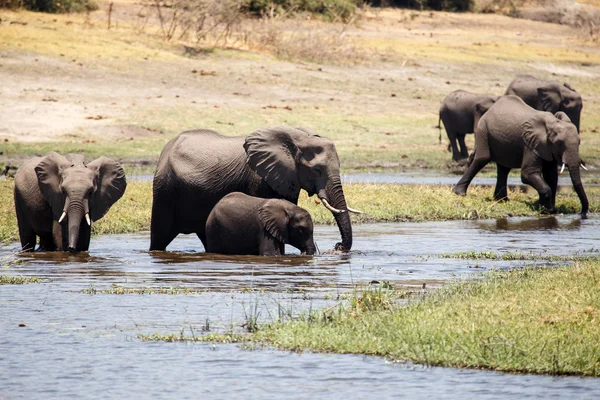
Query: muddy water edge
{"type": "Point", "coordinates": [76, 333]}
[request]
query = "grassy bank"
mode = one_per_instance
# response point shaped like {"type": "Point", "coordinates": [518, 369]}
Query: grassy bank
{"type": "Point", "coordinates": [379, 202]}
{"type": "Point", "coordinates": [496, 323]}
{"type": "Point", "coordinates": [541, 321]}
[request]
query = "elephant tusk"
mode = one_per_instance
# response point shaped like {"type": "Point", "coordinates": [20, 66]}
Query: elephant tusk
{"type": "Point", "coordinates": [352, 210]}
{"type": "Point", "coordinates": [327, 206]}
{"type": "Point", "coordinates": [583, 166]}
{"type": "Point", "coordinates": [562, 169]}
{"type": "Point", "coordinates": [62, 216]}
{"type": "Point", "coordinates": [87, 219]}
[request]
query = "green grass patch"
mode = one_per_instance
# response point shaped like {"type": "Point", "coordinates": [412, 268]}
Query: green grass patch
{"type": "Point", "coordinates": [491, 255]}
{"type": "Point", "coordinates": [542, 321]}
{"type": "Point", "coordinates": [379, 202]}
{"type": "Point", "coordinates": [19, 280]}
{"type": "Point", "coordinates": [121, 290]}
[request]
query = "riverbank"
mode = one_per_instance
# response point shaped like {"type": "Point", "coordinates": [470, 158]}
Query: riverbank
{"type": "Point", "coordinates": [531, 320]}
{"type": "Point", "coordinates": [379, 203]}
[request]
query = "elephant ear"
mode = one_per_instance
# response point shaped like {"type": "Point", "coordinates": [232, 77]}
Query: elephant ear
{"type": "Point", "coordinates": [550, 98]}
{"type": "Point", "coordinates": [562, 116]}
{"type": "Point", "coordinates": [111, 186]}
{"type": "Point", "coordinates": [569, 87]}
{"type": "Point", "coordinates": [274, 219]}
{"type": "Point", "coordinates": [536, 137]}
{"type": "Point", "coordinates": [272, 152]}
{"type": "Point", "coordinates": [49, 174]}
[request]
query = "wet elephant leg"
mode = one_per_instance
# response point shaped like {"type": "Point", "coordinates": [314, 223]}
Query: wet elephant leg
{"type": "Point", "coordinates": [162, 225]}
{"type": "Point", "coordinates": [26, 233]}
{"type": "Point", "coordinates": [550, 174]}
{"type": "Point", "coordinates": [270, 246]}
{"type": "Point", "coordinates": [83, 242]}
{"type": "Point", "coordinates": [47, 243]}
{"type": "Point", "coordinates": [500, 192]}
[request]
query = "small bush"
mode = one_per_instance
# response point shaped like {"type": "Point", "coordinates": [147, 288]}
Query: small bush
{"type": "Point", "coordinates": [440, 5]}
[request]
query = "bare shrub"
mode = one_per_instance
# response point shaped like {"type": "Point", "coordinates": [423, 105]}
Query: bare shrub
{"type": "Point", "coordinates": [296, 40]}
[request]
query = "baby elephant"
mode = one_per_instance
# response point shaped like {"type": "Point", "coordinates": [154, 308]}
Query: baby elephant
{"type": "Point", "coordinates": [57, 198]}
{"type": "Point", "coordinates": [242, 224]}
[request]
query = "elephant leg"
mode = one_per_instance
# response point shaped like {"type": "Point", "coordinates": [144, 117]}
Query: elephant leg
{"type": "Point", "coordinates": [83, 242]}
{"type": "Point", "coordinates": [464, 152]}
{"type": "Point", "coordinates": [500, 192]}
{"type": "Point", "coordinates": [162, 225]}
{"type": "Point", "coordinates": [203, 239]}
{"type": "Point", "coordinates": [28, 238]}
{"type": "Point", "coordinates": [481, 157]}
{"type": "Point", "coordinates": [26, 232]}
{"type": "Point", "coordinates": [533, 176]}
{"type": "Point", "coordinates": [550, 174]}
{"type": "Point", "coordinates": [456, 154]}
{"type": "Point", "coordinates": [47, 243]}
{"type": "Point", "coordinates": [270, 246]}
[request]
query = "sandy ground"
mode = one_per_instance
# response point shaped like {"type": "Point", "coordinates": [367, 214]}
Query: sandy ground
{"type": "Point", "coordinates": [52, 97]}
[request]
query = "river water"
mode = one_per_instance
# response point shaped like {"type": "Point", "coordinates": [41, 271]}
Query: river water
{"type": "Point", "coordinates": [58, 341]}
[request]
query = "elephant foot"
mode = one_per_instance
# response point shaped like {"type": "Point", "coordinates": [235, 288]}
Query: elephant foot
{"type": "Point", "coordinates": [583, 215]}
{"type": "Point", "coordinates": [340, 247]}
{"type": "Point", "coordinates": [459, 191]}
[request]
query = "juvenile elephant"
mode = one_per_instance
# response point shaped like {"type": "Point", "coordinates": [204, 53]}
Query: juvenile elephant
{"type": "Point", "coordinates": [242, 224]}
{"type": "Point", "coordinates": [198, 168]}
{"type": "Point", "coordinates": [54, 194]}
{"type": "Point", "coordinates": [548, 96]}
{"type": "Point", "coordinates": [515, 135]}
{"type": "Point", "coordinates": [460, 112]}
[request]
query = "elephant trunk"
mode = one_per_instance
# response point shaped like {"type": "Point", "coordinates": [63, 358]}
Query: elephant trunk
{"type": "Point", "coordinates": [578, 186]}
{"type": "Point", "coordinates": [335, 196]}
{"type": "Point", "coordinates": [75, 214]}
{"type": "Point", "coordinates": [575, 119]}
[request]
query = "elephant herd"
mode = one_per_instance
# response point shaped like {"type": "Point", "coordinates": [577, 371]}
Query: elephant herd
{"type": "Point", "coordinates": [534, 127]}
{"type": "Point", "coordinates": [239, 194]}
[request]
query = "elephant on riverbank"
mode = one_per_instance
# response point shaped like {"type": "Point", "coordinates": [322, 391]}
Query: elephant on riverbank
{"type": "Point", "coordinates": [460, 112]}
{"type": "Point", "coordinates": [198, 168]}
{"type": "Point", "coordinates": [242, 224]}
{"type": "Point", "coordinates": [515, 135]}
{"type": "Point", "coordinates": [54, 194]}
{"type": "Point", "coordinates": [546, 95]}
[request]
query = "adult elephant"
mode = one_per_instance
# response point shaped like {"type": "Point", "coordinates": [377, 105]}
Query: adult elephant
{"type": "Point", "coordinates": [545, 95]}
{"type": "Point", "coordinates": [515, 135]}
{"type": "Point", "coordinates": [460, 112]}
{"type": "Point", "coordinates": [198, 168]}
{"type": "Point", "coordinates": [242, 224]}
{"type": "Point", "coordinates": [54, 194]}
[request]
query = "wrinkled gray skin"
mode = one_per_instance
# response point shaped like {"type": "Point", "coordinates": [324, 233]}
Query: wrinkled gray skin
{"type": "Point", "coordinates": [548, 96]}
{"type": "Point", "coordinates": [515, 135]}
{"type": "Point", "coordinates": [242, 224]}
{"type": "Point", "coordinates": [198, 168]}
{"type": "Point", "coordinates": [45, 187]}
{"type": "Point", "coordinates": [460, 112]}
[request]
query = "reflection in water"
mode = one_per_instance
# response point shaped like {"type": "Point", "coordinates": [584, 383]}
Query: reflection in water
{"type": "Point", "coordinates": [530, 224]}
{"type": "Point", "coordinates": [53, 333]}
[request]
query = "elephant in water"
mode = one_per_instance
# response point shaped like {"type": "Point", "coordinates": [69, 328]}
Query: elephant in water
{"type": "Point", "coordinates": [515, 135]}
{"type": "Point", "coordinates": [54, 194]}
{"type": "Point", "coordinates": [460, 112]}
{"type": "Point", "coordinates": [198, 168]}
{"type": "Point", "coordinates": [242, 224]}
{"type": "Point", "coordinates": [548, 96]}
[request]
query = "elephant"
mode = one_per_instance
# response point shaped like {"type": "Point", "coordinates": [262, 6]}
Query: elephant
{"type": "Point", "coordinates": [551, 96]}
{"type": "Point", "coordinates": [199, 167]}
{"type": "Point", "coordinates": [460, 112]}
{"type": "Point", "coordinates": [242, 224]}
{"type": "Point", "coordinates": [54, 194]}
{"type": "Point", "coordinates": [514, 135]}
